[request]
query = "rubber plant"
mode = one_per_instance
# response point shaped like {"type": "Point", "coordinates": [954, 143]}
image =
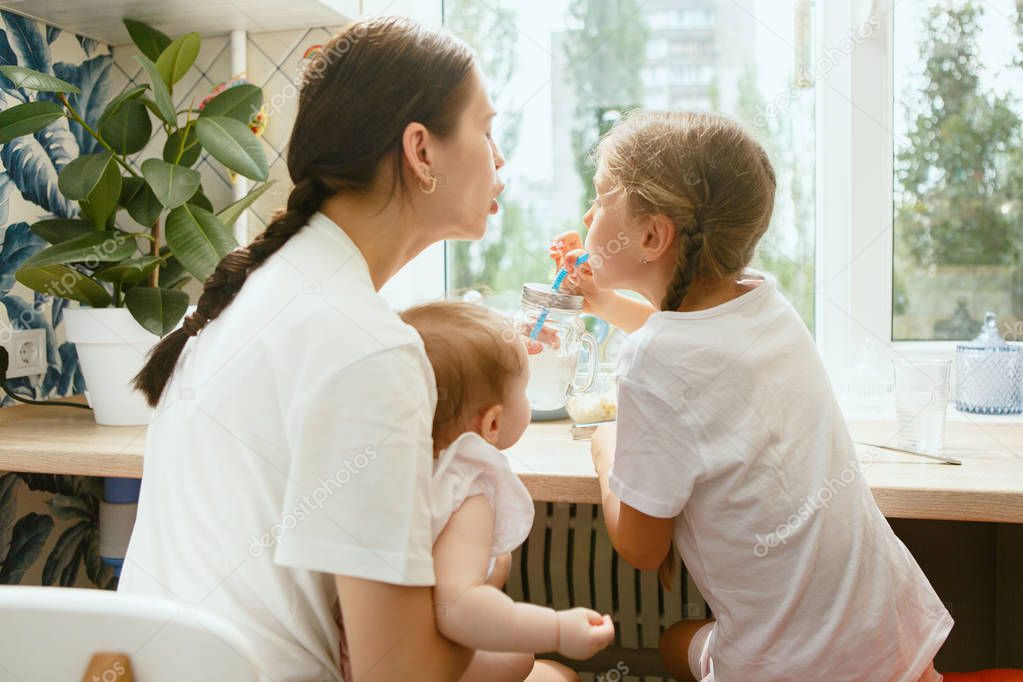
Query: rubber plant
{"type": "Point", "coordinates": [94, 258]}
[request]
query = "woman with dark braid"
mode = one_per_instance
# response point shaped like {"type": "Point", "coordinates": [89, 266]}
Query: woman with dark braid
{"type": "Point", "coordinates": [289, 456]}
{"type": "Point", "coordinates": [729, 443]}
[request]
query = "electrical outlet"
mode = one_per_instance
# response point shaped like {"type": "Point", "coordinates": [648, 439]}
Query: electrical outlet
{"type": "Point", "coordinates": [26, 349]}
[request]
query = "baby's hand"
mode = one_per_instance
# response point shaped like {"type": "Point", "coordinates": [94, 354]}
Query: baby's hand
{"type": "Point", "coordinates": [566, 250]}
{"type": "Point", "coordinates": [582, 633]}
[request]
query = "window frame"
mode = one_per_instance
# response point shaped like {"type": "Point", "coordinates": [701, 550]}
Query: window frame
{"type": "Point", "coordinates": [854, 230]}
{"type": "Point", "coordinates": [858, 157]}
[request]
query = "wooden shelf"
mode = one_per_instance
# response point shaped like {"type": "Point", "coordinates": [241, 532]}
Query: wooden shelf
{"type": "Point", "coordinates": [987, 487]}
{"type": "Point", "coordinates": [101, 19]}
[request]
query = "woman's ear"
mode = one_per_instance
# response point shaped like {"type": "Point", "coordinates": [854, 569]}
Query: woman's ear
{"type": "Point", "coordinates": [658, 237]}
{"type": "Point", "coordinates": [416, 151]}
{"type": "Point", "coordinates": [490, 423]}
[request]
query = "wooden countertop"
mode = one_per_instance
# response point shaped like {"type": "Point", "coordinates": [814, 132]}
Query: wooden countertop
{"type": "Point", "coordinates": [987, 487]}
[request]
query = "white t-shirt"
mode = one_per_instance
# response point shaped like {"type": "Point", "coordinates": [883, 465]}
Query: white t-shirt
{"type": "Point", "coordinates": [292, 443]}
{"type": "Point", "coordinates": [727, 423]}
{"type": "Point", "coordinates": [472, 466]}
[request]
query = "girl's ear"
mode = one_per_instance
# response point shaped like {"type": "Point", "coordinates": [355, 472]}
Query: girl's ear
{"type": "Point", "coordinates": [490, 423]}
{"type": "Point", "coordinates": [416, 151]}
{"type": "Point", "coordinates": [658, 237]}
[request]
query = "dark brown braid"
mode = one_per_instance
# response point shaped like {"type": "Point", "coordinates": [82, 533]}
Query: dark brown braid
{"type": "Point", "coordinates": [362, 90]}
{"type": "Point", "coordinates": [224, 284]}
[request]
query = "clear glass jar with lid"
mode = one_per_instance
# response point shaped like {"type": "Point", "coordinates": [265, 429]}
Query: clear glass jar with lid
{"type": "Point", "coordinates": [555, 349]}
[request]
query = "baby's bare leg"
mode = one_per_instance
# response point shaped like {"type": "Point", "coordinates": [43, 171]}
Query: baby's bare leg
{"type": "Point", "coordinates": [549, 671]}
{"type": "Point", "coordinates": [674, 648]}
{"type": "Point", "coordinates": [498, 666]}
{"type": "Point", "coordinates": [488, 666]}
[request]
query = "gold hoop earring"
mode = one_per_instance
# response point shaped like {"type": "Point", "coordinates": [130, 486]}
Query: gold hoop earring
{"type": "Point", "coordinates": [433, 185]}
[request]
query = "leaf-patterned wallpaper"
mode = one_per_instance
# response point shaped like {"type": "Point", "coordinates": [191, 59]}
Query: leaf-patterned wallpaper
{"type": "Point", "coordinates": [49, 525]}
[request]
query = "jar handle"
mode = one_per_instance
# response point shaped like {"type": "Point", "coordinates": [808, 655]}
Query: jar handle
{"type": "Point", "coordinates": [591, 345]}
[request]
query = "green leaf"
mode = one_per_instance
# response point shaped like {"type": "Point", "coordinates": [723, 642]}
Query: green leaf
{"type": "Point", "coordinates": [232, 143]}
{"type": "Point", "coordinates": [164, 105]}
{"type": "Point", "coordinates": [239, 102]}
{"type": "Point", "coordinates": [130, 271]}
{"type": "Point", "coordinates": [177, 58]}
{"type": "Point", "coordinates": [78, 178]}
{"type": "Point", "coordinates": [114, 105]}
{"type": "Point", "coordinates": [191, 151]}
{"type": "Point", "coordinates": [27, 118]}
{"type": "Point", "coordinates": [172, 273]}
{"type": "Point", "coordinates": [27, 540]}
{"type": "Point", "coordinates": [65, 282]}
{"type": "Point", "coordinates": [198, 239]}
{"type": "Point", "coordinates": [31, 79]}
{"type": "Point", "coordinates": [201, 200]}
{"type": "Point", "coordinates": [127, 130]}
{"type": "Point", "coordinates": [173, 185]}
{"type": "Point", "coordinates": [73, 507]}
{"type": "Point", "coordinates": [101, 203]}
{"type": "Point", "coordinates": [57, 230]}
{"type": "Point", "coordinates": [230, 214]}
{"type": "Point", "coordinates": [158, 310]}
{"type": "Point", "coordinates": [149, 40]}
{"type": "Point", "coordinates": [139, 200]}
{"type": "Point", "coordinates": [61, 567]}
{"type": "Point", "coordinates": [109, 246]}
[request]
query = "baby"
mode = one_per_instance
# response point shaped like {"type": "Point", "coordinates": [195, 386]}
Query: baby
{"type": "Point", "coordinates": [480, 509]}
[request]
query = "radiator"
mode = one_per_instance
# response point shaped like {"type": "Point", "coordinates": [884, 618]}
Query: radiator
{"type": "Point", "coordinates": [568, 561]}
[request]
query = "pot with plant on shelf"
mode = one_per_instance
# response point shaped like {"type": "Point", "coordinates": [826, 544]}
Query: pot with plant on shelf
{"type": "Point", "coordinates": [145, 229]}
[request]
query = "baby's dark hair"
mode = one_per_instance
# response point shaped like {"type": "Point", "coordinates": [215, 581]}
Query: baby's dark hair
{"type": "Point", "coordinates": [474, 356]}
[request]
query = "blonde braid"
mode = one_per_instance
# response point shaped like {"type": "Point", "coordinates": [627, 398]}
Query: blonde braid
{"type": "Point", "coordinates": [687, 260]}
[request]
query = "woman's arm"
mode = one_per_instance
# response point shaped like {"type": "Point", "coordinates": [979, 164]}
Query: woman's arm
{"type": "Point", "coordinates": [474, 613]}
{"type": "Point", "coordinates": [392, 633]}
{"type": "Point", "coordinates": [641, 539]}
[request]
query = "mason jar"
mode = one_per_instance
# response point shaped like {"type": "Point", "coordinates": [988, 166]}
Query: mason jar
{"type": "Point", "coordinates": [555, 348]}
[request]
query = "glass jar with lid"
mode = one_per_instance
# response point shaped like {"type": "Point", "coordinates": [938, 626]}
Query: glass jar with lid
{"type": "Point", "coordinates": [554, 353]}
{"type": "Point", "coordinates": [988, 373]}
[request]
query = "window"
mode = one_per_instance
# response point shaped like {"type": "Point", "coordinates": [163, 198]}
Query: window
{"type": "Point", "coordinates": [561, 71]}
{"type": "Point", "coordinates": [958, 185]}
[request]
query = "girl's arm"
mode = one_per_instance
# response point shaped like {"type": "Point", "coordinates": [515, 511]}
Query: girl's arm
{"type": "Point", "coordinates": [641, 539]}
{"type": "Point", "coordinates": [478, 615]}
{"type": "Point", "coordinates": [628, 314]}
{"type": "Point", "coordinates": [392, 634]}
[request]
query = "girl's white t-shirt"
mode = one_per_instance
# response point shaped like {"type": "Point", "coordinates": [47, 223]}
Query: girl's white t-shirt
{"type": "Point", "coordinates": [728, 424]}
{"type": "Point", "coordinates": [293, 443]}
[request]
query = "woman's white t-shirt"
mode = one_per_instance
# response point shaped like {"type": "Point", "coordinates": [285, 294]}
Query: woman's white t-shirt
{"type": "Point", "coordinates": [728, 424]}
{"type": "Point", "coordinates": [292, 443]}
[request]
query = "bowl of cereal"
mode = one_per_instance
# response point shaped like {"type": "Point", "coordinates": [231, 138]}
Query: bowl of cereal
{"type": "Point", "coordinates": [598, 404]}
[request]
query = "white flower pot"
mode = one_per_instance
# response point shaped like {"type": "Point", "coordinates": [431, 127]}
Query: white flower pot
{"type": "Point", "coordinates": [112, 348]}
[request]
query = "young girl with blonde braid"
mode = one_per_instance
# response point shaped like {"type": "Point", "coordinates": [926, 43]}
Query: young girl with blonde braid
{"type": "Point", "coordinates": [729, 442]}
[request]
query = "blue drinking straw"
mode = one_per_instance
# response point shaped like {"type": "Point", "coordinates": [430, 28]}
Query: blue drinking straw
{"type": "Point", "coordinates": [562, 274]}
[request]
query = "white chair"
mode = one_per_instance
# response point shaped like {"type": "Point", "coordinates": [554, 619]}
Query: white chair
{"type": "Point", "coordinates": [51, 633]}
